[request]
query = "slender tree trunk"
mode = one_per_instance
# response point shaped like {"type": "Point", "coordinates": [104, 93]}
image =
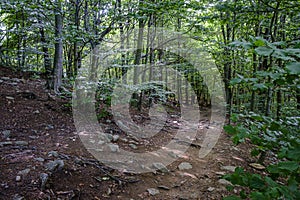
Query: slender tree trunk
{"type": "Point", "coordinates": [58, 56]}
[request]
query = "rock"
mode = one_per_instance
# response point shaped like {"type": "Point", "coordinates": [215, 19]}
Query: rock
{"type": "Point", "coordinates": [133, 146]}
{"type": "Point", "coordinates": [18, 197]}
{"type": "Point", "coordinates": [114, 147]}
{"type": "Point", "coordinates": [24, 172]}
{"type": "Point", "coordinates": [53, 154]}
{"type": "Point", "coordinates": [44, 178]}
{"type": "Point", "coordinates": [109, 136]}
{"type": "Point", "coordinates": [160, 167]}
{"type": "Point", "coordinates": [115, 138]}
{"type": "Point", "coordinates": [257, 166]}
{"type": "Point", "coordinates": [21, 143]}
{"type": "Point", "coordinates": [1, 81]}
{"type": "Point", "coordinates": [108, 121]}
{"type": "Point", "coordinates": [5, 78]}
{"type": "Point", "coordinates": [10, 98]}
{"type": "Point", "coordinates": [228, 168]}
{"type": "Point", "coordinates": [6, 134]}
{"type": "Point", "coordinates": [224, 182]}
{"type": "Point", "coordinates": [163, 187]}
{"type": "Point", "coordinates": [5, 143]}
{"type": "Point", "coordinates": [104, 137]}
{"type": "Point", "coordinates": [220, 173]}
{"type": "Point", "coordinates": [124, 140]}
{"type": "Point", "coordinates": [49, 126]}
{"type": "Point", "coordinates": [40, 159]}
{"type": "Point", "coordinates": [210, 189]}
{"type": "Point", "coordinates": [36, 112]}
{"type": "Point", "coordinates": [184, 166]}
{"type": "Point", "coordinates": [18, 178]}
{"type": "Point", "coordinates": [172, 154]}
{"type": "Point", "coordinates": [153, 191]}
{"type": "Point", "coordinates": [56, 164]}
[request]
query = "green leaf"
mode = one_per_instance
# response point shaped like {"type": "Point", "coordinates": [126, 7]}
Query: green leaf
{"type": "Point", "coordinates": [230, 129]}
{"type": "Point", "coordinates": [263, 51]}
{"type": "Point", "coordinates": [232, 198]}
{"type": "Point", "coordinates": [257, 196]}
{"type": "Point", "coordinates": [293, 67]}
{"type": "Point", "coordinates": [259, 86]}
{"type": "Point", "coordinates": [235, 81]}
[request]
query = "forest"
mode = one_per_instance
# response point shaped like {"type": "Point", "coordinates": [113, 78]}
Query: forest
{"type": "Point", "coordinates": [150, 72]}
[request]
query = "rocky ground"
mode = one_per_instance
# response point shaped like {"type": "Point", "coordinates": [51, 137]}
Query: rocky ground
{"type": "Point", "coordinates": [42, 155]}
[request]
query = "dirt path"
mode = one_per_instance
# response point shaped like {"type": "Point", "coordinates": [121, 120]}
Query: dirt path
{"type": "Point", "coordinates": [42, 156]}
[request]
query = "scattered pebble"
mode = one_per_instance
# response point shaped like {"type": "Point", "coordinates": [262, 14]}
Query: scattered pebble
{"type": "Point", "coordinates": [228, 168]}
{"type": "Point", "coordinates": [5, 143]}
{"type": "Point", "coordinates": [224, 182]}
{"type": "Point", "coordinates": [163, 187]}
{"type": "Point", "coordinates": [133, 146]}
{"type": "Point", "coordinates": [21, 143]}
{"type": "Point", "coordinates": [44, 178]}
{"type": "Point", "coordinates": [257, 166]}
{"type": "Point", "coordinates": [160, 167]}
{"type": "Point", "coordinates": [18, 178]}
{"type": "Point", "coordinates": [184, 166]}
{"type": "Point", "coordinates": [115, 138]}
{"type": "Point", "coordinates": [210, 189]}
{"type": "Point", "coordinates": [18, 197]}
{"type": "Point", "coordinates": [6, 134]}
{"type": "Point", "coordinates": [40, 159]}
{"type": "Point", "coordinates": [10, 98]}
{"type": "Point", "coordinates": [24, 172]}
{"type": "Point", "coordinates": [56, 164]}
{"type": "Point", "coordinates": [153, 191]}
{"type": "Point", "coordinates": [53, 153]}
{"type": "Point", "coordinates": [114, 147]}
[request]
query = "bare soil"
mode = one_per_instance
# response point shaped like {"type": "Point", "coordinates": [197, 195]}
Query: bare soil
{"type": "Point", "coordinates": [37, 128]}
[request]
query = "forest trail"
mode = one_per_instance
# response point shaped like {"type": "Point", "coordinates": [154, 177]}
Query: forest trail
{"type": "Point", "coordinates": [42, 156]}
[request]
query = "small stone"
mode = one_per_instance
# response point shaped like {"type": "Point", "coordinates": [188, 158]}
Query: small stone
{"type": "Point", "coordinates": [114, 147]}
{"type": "Point", "coordinates": [224, 182]}
{"type": "Point", "coordinates": [210, 189]}
{"type": "Point", "coordinates": [228, 168]}
{"type": "Point", "coordinates": [56, 164]}
{"type": "Point", "coordinates": [33, 137]}
{"type": "Point", "coordinates": [40, 159]}
{"type": "Point", "coordinates": [160, 167]}
{"type": "Point", "coordinates": [110, 137]}
{"type": "Point", "coordinates": [257, 166]}
{"type": "Point", "coordinates": [18, 178]}
{"type": "Point", "coordinates": [153, 191]}
{"type": "Point", "coordinates": [220, 173]}
{"type": "Point", "coordinates": [172, 154]}
{"type": "Point", "coordinates": [44, 178]}
{"type": "Point", "coordinates": [36, 112]}
{"type": "Point", "coordinates": [184, 166]}
{"type": "Point", "coordinates": [21, 143]}
{"type": "Point", "coordinates": [24, 172]}
{"type": "Point", "coordinates": [133, 146]}
{"type": "Point", "coordinates": [5, 78]}
{"type": "Point", "coordinates": [10, 98]}
{"type": "Point", "coordinates": [49, 126]}
{"type": "Point", "coordinates": [18, 197]}
{"type": "Point", "coordinates": [163, 187]}
{"type": "Point", "coordinates": [53, 153]}
{"type": "Point", "coordinates": [108, 121]}
{"type": "Point", "coordinates": [115, 138]}
{"type": "Point", "coordinates": [5, 143]}
{"type": "Point", "coordinates": [6, 134]}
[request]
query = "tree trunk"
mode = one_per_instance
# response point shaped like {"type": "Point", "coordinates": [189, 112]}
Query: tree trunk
{"type": "Point", "coordinates": [58, 56]}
